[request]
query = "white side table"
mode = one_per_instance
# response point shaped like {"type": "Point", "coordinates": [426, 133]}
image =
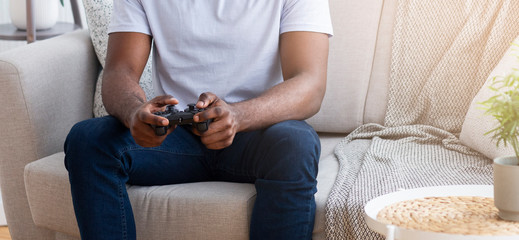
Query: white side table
{"type": "Point", "coordinates": [394, 232]}
{"type": "Point", "coordinates": [10, 32]}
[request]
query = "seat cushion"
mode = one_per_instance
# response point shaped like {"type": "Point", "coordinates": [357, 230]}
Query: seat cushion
{"type": "Point", "coordinates": [204, 210]}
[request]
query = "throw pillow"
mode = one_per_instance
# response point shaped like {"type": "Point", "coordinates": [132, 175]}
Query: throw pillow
{"type": "Point", "coordinates": [98, 15]}
{"type": "Point", "coordinates": [476, 123]}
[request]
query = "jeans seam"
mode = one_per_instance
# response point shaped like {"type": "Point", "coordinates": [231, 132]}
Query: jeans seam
{"type": "Point", "coordinates": [124, 224]}
{"type": "Point", "coordinates": [309, 215]}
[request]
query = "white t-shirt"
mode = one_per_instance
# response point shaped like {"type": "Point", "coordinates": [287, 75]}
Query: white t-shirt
{"type": "Point", "coordinates": [228, 47]}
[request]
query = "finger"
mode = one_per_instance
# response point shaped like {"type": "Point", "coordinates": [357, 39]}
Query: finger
{"type": "Point", "coordinates": [206, 99]}
{"type": "Point", "coordinates": [196, 132]}
{"type": "Point", "coordinates": [164, 100]}
{"type": "Point", "coordinates": [150, 118]}
{"type": "Point", "coordinates": [146, 133]}
{"type": "Point", "coordinates": [211, 113]}
{"type": "Point", "coordinates": [218, 125]}
{"type": "Point", "coordinates": [220, 144]}
{"type": "Point", "coordinates": [217, 133]}
{"type": "Point", "coordinates": [148, 142]}
{"type": "Point", "coordinates": [215, 138]}
{"type": "Point", "coordinates": [170, 130]}
{"type": "Point", "coordinates": [145, 136]}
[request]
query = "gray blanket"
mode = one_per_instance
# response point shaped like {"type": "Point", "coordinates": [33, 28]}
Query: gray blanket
{"type": "Point", "coordinates": [375, 160]}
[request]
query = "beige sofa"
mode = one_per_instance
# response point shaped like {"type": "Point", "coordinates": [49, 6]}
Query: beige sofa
{"type": "Point", "coordinates": [48, 86]}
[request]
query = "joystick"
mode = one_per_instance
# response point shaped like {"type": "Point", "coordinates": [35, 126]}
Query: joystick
{"type": "Point", "coordinates": [177, 117]}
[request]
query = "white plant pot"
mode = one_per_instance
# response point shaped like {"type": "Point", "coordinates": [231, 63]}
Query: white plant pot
{"type": "Point", "coordinates": [506, 187]}
{"type": "Point", "coordinates": [45, 13]}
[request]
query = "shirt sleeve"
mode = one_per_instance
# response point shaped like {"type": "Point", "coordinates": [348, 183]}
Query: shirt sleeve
{"type": "Point", "coordinates": [129, 16]}
{"type": "Point", "coordinates": [306, 15]}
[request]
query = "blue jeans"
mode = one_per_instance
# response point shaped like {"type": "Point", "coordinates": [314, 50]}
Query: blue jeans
{"type": "Point", "coordinates": [281, 161]}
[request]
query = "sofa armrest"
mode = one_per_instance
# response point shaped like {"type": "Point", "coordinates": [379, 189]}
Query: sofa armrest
{"type": "Point", "coordinates": [45, 88]}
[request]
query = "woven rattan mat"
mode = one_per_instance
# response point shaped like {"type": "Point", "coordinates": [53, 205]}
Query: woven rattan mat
{"type": "Point", "coordinates": [453, 215]}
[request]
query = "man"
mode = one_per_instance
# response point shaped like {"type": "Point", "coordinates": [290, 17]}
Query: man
{"type": "Point", "coordinates": [259, 69]}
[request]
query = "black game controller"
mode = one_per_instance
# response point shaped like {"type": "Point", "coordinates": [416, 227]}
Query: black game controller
{"type": "Point", "coordinates": [177, 117]}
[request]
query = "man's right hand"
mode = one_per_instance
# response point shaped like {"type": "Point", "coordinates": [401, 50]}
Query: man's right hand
{"type": "Point", "coordinates": [141, 118]}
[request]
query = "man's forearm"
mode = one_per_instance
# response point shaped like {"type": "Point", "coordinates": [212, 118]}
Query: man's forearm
{"type": "Point", "coordinates": [294, 99]}
{"type": "Point", "coordinates": [126, 58]}
{"type": "Point", "coordinates": [121, 95]}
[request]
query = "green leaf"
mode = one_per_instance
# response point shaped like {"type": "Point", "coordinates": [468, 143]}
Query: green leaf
{"type": "Point", "coordinates": [62, 4]}
{"type": "Point", "coordinates": [504, 107]}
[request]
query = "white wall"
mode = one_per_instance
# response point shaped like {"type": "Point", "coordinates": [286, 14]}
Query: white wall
{"type": "Point", "coordinates": [65, 13]}
{"type": "Point", "coordinates": [4, 14]}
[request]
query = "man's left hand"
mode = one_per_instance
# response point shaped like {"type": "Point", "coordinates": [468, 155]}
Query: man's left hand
{"type": "Point", "coordinates": [225, 121]}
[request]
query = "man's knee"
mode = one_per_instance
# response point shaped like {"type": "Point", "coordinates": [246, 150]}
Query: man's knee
{"type": "Point", "coordinates": [297, 147]}
{"type": "Point", "coordinates": [90, 131]}
{"type": "Point", "coordinates": [88, 136]}
{"type": "Point", "coordinates": [297, 137]}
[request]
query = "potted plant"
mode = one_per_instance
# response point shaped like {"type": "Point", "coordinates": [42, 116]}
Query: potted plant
{"type": "Point", "coordinates": [504, 107]}
{"type": "Point", "coordinates": [46, 13]}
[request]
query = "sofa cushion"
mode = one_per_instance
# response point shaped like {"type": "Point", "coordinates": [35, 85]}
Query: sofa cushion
{"type": "Point", "coordinates": [205, 210]}
{"type": "Point", "coordinates": [49, 178]}
{"type": "Point", "coordinates": [98, 15]}
{"type": "Point", "coordinates": [202, 210]}
{"type": "Point", "coordinates": [358, 65]}
{"type": "Point", "coordinates": [476, 123]}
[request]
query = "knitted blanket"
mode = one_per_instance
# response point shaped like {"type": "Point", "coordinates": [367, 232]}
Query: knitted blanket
{"type": "Point", "coordinates": [443, 51]}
